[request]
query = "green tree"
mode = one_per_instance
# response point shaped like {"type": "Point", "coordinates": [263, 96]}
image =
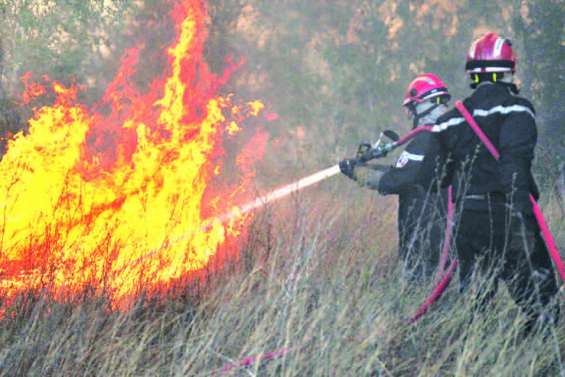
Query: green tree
{"type": "Point", "coordinates": [69, 41]}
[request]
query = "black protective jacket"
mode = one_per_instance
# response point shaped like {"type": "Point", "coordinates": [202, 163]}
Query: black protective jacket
{"type": "Point", "coordinates": [421, 203]}
{"type": "Point", "coordinates": [509, 122]}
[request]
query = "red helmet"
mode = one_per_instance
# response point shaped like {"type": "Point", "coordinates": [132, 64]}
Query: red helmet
{"type": "Point", "coordinates": [491, 53]}
{"type": "Point", "coordinates": [423, 88]}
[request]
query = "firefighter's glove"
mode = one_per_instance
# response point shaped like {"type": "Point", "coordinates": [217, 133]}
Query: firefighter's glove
{"type": "Point", "coordinates": [362, 175]}
{"type": "Point", "coordinates": [370, 176]}
{"type": "Point", "coordinates": [347, 167]}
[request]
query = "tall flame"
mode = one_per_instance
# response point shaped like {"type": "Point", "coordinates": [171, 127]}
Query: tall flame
{"type": "Point", "coordinates": [117, 197]}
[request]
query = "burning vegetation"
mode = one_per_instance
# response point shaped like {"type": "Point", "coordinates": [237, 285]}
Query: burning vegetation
{"type": "Point", "coordinates": [135, 178]}
{"type": "Point", "coordinates": [110, 197]}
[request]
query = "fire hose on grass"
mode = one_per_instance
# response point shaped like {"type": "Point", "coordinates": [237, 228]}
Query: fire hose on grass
{"type": "Point", "coordinates": [443, 277]}
{"type": "Point", "coordinates": [365, 153]}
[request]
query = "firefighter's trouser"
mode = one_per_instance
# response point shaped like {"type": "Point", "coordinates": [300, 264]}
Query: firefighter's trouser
{"type": "Point", "coordinates": [507, 245]}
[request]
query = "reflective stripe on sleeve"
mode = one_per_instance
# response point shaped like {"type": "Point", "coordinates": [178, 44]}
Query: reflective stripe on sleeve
{"type": "Point", "coordinates": [483, 113]}
{"type": "Point", "coordinates": [414, 157]}
{"type": "Point", "coordinates": [445, 125]}
{"type": "Point", "coordinates": [503, 110]}
{"type": "Point", "coordinates": [405, 157]}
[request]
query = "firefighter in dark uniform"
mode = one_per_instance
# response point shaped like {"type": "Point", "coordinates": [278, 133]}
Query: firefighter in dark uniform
{"type": "Point", "coordinates": [497, 232]}
{"type": "Point", "coordinates": [421, 203]}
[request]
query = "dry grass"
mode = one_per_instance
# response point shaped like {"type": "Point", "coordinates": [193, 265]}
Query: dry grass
{"type": "Point", "coordinates": [320, 279]}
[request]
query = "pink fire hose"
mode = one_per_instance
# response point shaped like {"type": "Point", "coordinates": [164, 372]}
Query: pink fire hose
{"type": "Point", "coordinates": [446, 279]}
{"type": "Point", "coordinates": [546, 232]}
{"type": "Point", "coordinates": [250, 360]}
{"type": "Point", "coordinates": [441, 281]}
{"type": "Point", "coordinates": [442, 284]}
{"type": "Point", "coordinates": [448, 235]}
{"type": "Point", "coordinates": [544, 228]}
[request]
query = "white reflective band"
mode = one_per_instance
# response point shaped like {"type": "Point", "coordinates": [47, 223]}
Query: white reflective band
{"type": "Point", "coordinates": [483, 113]}
{"type": "Point", "coordinates": [412, 156]}
{"type": "Point", "coordinates": [503, 110]}
{"type": "Point", "coordinates": [490, 69]}
{"type": "Point", "coordinates": [406, 157]}
{"type": "Point", "coordinates": [443, 126]}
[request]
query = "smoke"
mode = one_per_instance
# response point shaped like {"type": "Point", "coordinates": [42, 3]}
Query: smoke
{"type": "Point", "coordinates": [336, 72]}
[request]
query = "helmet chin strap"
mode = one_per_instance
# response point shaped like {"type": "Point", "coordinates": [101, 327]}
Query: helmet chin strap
{"type": "Point", "coordinates": [423, 114]}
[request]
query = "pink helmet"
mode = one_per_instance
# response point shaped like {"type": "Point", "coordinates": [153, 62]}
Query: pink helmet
{"type": "Point", "coordinates": [423, 88]}
{"type": "Point", "coordinates": [491, 53]}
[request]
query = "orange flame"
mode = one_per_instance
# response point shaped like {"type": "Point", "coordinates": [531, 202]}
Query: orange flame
{"type": "Point", "coordinates": [31, 89]}
{"type": "Point", "coordinates": [115, 198]}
